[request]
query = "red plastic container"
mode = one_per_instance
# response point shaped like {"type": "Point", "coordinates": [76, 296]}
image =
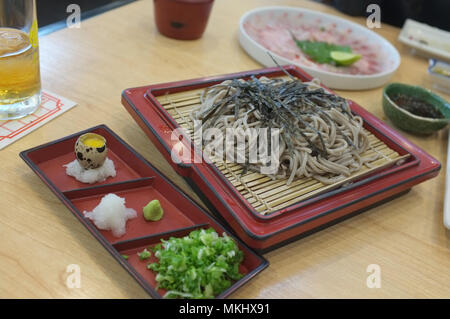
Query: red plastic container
{"type": "Point", "coordinates": [260, 232]}
{"type": "Point", "coordinates": [138, 182]}
{"type": "Point", "coordinates": [182, 19]}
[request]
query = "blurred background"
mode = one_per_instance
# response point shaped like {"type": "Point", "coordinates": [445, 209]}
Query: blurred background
{"type": "Point", "coordinates": [395, 12]}
{"type": "Point", "coordinates": [52, 14]}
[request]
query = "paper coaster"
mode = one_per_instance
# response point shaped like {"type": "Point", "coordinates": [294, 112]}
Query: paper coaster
{"type": "Point", "coordinates": [52, 106]}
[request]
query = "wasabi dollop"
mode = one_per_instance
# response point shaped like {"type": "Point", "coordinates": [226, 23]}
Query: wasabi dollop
{"type": "Point", "coordinates": [153, 212]}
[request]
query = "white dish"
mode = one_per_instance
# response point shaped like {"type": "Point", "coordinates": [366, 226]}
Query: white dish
{"type": "Point", "coordinates": [440, 81]}
{"type": "Point", "coordinates": [426, 40]}
{"type": "Point", "coordinates": [298, 17]}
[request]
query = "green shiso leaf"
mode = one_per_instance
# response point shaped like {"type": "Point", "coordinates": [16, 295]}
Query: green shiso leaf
{"type": "Point", "coordinates": [320, 52]}
{"type": "Point", "coordinates": [200, 265]}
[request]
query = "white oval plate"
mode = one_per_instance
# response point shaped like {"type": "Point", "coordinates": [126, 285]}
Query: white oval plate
{"type": "Point", "coordinates": [299, 16]}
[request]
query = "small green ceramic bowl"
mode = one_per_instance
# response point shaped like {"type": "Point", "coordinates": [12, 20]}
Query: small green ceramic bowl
{"type": "Point", "coordinates": [411, 122]}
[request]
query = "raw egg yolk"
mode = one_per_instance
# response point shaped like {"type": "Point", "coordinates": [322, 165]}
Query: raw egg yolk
{"type": "Point", "coordinates": [93, 142]}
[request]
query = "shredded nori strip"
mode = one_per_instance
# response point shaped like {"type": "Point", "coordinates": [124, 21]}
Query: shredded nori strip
{"type": "Point", "coordinates": [288, 103]}
{"type": "Point", "coordinates": [285, 102]}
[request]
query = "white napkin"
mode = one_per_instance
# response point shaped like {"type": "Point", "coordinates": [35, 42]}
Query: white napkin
{"type": "Point", "coordinates": [52, 106]}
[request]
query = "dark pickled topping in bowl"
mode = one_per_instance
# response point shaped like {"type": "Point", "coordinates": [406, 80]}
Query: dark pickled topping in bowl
{"type": "Point", "coordinates": [416, 106]}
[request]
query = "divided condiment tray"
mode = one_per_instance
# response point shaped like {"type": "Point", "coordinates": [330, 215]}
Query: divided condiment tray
{"type": "Point", "coordinates": [137, 181]}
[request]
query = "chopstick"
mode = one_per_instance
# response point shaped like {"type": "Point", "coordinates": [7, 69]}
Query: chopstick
{"type": "Point", "coordinates": [447, 188]}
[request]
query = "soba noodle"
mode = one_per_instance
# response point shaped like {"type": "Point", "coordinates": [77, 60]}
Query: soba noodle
{"type": "Point", "coordinates": [319, 136]}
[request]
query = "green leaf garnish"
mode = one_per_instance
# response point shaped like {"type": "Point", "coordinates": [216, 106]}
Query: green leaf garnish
{"type": "Point", "coordinates": [320, 52]}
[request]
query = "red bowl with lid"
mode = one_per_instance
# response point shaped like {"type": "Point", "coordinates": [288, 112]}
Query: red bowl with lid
{"type": "Point", "coordinates": [182, 19]}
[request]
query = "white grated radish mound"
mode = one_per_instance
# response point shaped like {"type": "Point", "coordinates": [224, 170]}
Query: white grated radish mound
{"type": "Point", "coordinates": [91, 176]}
{"type": "Point", "coordinates": [111, 214]}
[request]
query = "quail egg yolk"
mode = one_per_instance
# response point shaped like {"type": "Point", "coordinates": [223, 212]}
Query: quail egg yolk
{"type": "Point", "coordinates": [93, 142]}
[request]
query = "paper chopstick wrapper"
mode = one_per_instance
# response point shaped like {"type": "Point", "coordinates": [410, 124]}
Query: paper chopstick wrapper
{"type": "Point", "coordinates": [52, 106]}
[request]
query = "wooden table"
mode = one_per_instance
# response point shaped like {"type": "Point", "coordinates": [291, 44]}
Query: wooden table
{"type": "Point", "coordinates": [121, 49]}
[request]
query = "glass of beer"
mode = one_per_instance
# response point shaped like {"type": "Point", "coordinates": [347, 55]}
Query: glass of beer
{"type": "Point", "coordinates": [20, 79]}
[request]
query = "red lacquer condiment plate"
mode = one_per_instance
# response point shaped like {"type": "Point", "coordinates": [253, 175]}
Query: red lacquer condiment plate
{"type": "Point", "coordinates": [138, 182]}
{"type": "Point", "coordinates": [260, 232]}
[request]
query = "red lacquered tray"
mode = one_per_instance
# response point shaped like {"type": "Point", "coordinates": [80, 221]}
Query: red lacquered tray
{"type": "Point", "coordinates": [138, 182]}
{"type": "Point", "coordinates": [299, 219]}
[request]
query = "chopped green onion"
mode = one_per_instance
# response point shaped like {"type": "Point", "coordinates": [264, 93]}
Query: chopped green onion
{"type": "Point", "coordinates": [200, 265]}
{"type": "Point", "coordinates": [144, 254]}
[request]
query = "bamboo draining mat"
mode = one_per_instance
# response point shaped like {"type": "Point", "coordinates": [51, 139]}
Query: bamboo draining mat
{"type": "Point", "coordinates": [261, 192]}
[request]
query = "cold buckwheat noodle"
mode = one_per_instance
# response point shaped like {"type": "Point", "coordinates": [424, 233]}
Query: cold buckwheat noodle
{"type": "Point", "coordinates": [319, 136]}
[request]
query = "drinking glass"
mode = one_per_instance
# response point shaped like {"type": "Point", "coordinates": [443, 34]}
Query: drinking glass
{"type": "Point", "coordinates": [20, 79]}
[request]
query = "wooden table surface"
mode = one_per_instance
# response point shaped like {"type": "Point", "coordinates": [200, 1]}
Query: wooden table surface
{"type": "Point", "coordinates": [39, 237]}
